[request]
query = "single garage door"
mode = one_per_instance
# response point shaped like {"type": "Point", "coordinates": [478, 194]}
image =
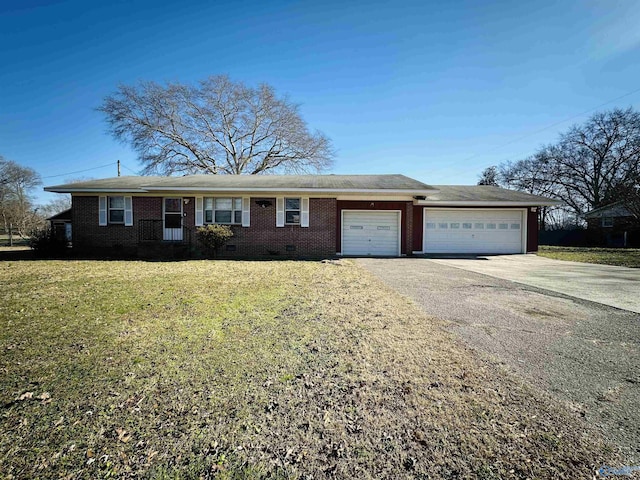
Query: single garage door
{"type": "Point", "coordinates": [370, 233]}
{"type": "Point", "coordinates": [473, 231]}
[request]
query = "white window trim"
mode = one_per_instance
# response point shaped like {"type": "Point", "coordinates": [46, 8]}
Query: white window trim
{"type": "Point", "coordinates": [199, 211]}
{"type": "Point", "coordinates": [246, 211]}
{"type": "Point", "coordinates": [299, 210]}
{"type": "Point", "coordinates": [304, 212]}
{"type": "Point", "coordinates": [128, 211]}
{"type": "Point", "coordinates": [280, 212]}
{"type": "Point", "coordinates": [109, 209]}
{"type": "Point", "coordinates": [233, 211]}
{"type": "Point", "coordinates": [104, 211]}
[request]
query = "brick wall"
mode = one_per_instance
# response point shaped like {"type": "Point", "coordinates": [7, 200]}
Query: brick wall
{"type": "Point", "coordinates": [532, 230]}
{"type": "Point", "coordinates": [613, 236]}
{"type": "Point", "coordinates": [89, 236]}
{"type": "Point", "coordinates": [261, 239]}
{"type": "Point", "coordinates": [264, 240]}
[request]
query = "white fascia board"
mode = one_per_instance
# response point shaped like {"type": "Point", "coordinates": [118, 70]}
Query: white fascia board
{"type": "Point", "coordinates": [377, 198]}
{"type": "Point", "coordinates": [94, 190]}
{"type": "Point", "coordinates": [258, 191]}
{"type": "Point", "coordinates": [484, 203]}
{"type": "Point", "coordinates": [294, 190]}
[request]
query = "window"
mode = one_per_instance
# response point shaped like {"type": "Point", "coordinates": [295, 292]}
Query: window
{"type": "Point", "coordinates": [466, 226]}
{"type": "Point", "coordinates": [607, 221]}
{"type": "Point", "coordinates": [172, 216]}
{"type": "Point", "coordinates": [223, 210]}
{"type": "Point", "coordinates": [431, 225]}
{"type": "Point", "coordinates": [515, 226]}
{"type": "Point", "coordinates": [116, 209]}
{"type": "Point", "coordinates": [292, 211]}
{"type": "Point", "coordinates": [455, 225]}
{"type": "Point", "coordinates": [443, 225]}
{"type": "Point", "coordinates": [479, 226]}
{"type": "Point", "coordinates": [491, 226]}
{"type": "Point", "coordinates": [503, 226]}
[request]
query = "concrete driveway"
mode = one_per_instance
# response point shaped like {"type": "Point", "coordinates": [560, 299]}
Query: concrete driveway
{"type": "Point", "coordinates": [585, 354]}
{"type": "Point", "coordinates": [617, 287]}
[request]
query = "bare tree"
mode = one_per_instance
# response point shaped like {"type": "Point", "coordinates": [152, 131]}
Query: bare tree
{"type": "Point", "coordinates": [16, 207]}
{"type": "Point", "coordinates": [218, 126]}
{"type": "Point", "coordinates": [58, 204]}
{"type": "Point", "coordinates": [489, 176]}
{"type": "Point", "coordinates": [592, 161]}
{"type": "Point", "coordinates": [591, 165]}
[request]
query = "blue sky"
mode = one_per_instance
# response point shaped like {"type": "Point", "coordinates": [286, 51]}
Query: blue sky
{"type": "Point", "coordinates": [434, 90]}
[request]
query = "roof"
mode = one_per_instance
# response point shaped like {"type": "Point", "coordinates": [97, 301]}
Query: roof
{"type": "Point", "coordinates": [470, 195]}
{"type": "Point", "coordinates": [64, 215]}
{"type": "Point", "coordinates": [254, 183]}
{"type": "Point", "coordinates": [481, 195]}
{"type": "Point", "coordinates": [616, 209]}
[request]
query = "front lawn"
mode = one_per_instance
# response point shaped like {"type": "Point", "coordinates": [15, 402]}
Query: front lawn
{"type": "Point", "coordinates": [624, 257]}
{"type": "Point", "coordinates": [212, 369]}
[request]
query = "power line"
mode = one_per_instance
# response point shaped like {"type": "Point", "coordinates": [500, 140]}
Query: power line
{"type": "Point", "coordinates": [80, 171]}
{"type": "Point", "coordinates": [132, 171]}
{"type": "Point", "coordinates": [535, 132]}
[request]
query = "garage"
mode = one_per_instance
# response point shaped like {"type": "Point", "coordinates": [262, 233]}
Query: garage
{"type": "Point", "coordinates": [474, 231]}
{"type": "Point", "coordinates": [371, 233]}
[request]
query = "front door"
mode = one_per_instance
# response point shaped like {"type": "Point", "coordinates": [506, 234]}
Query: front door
{"type": "Point", "coordinates": [172, 215]}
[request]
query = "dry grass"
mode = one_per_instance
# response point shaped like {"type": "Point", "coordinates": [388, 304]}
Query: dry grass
{"type": "Point", "coordinates": [256, 370]}
{"type": "Point", "coordinates": [623, 257]}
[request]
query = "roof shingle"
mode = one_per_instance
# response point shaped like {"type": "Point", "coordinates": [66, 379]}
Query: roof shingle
{"type": "Point", "coordinates": [249, 182]}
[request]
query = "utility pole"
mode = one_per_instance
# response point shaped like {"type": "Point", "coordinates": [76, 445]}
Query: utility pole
{"type": "Point", "coordinates": [118, 167]}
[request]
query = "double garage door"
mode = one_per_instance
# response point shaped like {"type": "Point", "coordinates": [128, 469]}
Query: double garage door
{"type": "Point", "coordinates": [445, 231]}
{"type": "Point", "coordinates": [473, 231]}
{"type": "Point", "coordinates": [370, 233]}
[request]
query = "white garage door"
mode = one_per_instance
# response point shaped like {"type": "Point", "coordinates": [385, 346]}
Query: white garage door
{"type": "Point", "coordinates": [370, 233]}
{"type": "Point", "coordinates": [473, 231]}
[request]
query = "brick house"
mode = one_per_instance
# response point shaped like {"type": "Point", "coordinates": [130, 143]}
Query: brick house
{"type": "Point", "coordinates": [303, 215]}
{"type": "Point", "coordinates": [613, 225]}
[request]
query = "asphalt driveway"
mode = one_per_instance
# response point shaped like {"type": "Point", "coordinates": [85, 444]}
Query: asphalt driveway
{"type": "Point", "coordinates": [585, 354]}
{"type": "Point", "coordinates": [607, 284]}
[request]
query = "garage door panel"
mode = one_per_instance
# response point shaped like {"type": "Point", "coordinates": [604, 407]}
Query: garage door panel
{"type": "Point", "coordinates": [467, 231]}
{"type": "Point", "coordinates": [370, 233]}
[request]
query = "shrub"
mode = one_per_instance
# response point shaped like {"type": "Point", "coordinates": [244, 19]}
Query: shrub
{"type": "Point", "coordinates": [44, 243]}
{"type": "Point", "coordinates": [212, 237]}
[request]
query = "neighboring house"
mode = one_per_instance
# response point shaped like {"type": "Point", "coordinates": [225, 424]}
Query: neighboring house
{"type": "Point", "coordinates": [304, 215]}
{"type": "Point", "coordinates": [61, 225]}
{"type": "Point", "coordinates": [612, 225]}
